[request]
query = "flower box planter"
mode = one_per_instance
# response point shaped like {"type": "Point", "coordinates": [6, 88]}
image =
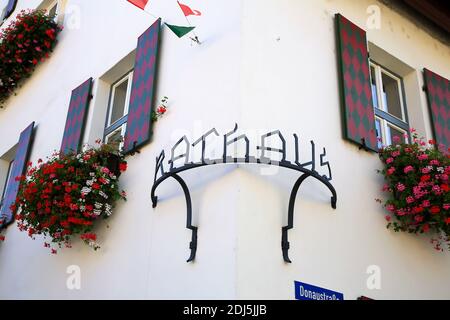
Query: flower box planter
{"type": "Point", "coordinates": [417, 185]}
{"type": "Point", "coordinates": [66, 195]}
{"type": "Point", "coordinates": [24, 43]}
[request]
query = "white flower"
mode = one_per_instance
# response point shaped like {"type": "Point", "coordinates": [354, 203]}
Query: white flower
{"type": "Point", "coordinates": [93, 244]}
{"type": "Point", "coordinates": [440, 169]}
{"type": "Point", "coordinates": [90, 183]}
{"type": "Point", "coordinates": [104, 195]}
{"type": "Point", "coordinates": [97, 212]}
{"type": "Point", "coordinates": [92, 174]}
{"type": "Point", "coordinates": [98, 205]}
{"type": "Point", "coordinates": [108, 209]}
{"type": "Point", "coordinates": [85, 190]}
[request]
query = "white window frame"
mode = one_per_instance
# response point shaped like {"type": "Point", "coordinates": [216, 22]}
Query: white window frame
{"type": "Point", "coordinates": [128, 77]}
{"type": "Point", "coordinates": [121, 123]}
{"type": "Point", "coordinates": [381, 112]}
{"type": "Point", "coordinates": [385, 124]}
{"type": "Point", "coordinates": [122, 129]}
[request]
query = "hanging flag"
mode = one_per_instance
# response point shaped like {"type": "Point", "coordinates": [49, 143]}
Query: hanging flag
{"type": "Point", "coordinates": [179, 31]}
{"type": "Point", "coordinates": [139, 3]}
{"type": "Point", "coordinates": [188, 11]}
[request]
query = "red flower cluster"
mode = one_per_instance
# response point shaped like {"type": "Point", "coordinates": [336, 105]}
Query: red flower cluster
{"type": "Point", "coordinates": [66, 195]}
{"type": "Point", "coordinates": [160, 110]}
{"type": "Point", "coordinates": [417, 181]}
{"type": "Point", "coordinates": [89, 236]}
{"type": "Point", "coordinates": [23, 44]}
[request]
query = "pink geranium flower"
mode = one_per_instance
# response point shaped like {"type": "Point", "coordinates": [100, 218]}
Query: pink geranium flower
{"type": "Point", "coordinates": [408, 169]}
{"type": "Point", "coordinates": [422, 157]}
{"type": "Point", "coordinates": [391, 170]}
{"type": "Point", "coordinates": [426, 170]}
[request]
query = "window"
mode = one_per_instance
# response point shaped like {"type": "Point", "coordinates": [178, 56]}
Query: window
{"type": "Point", "coordinates": [5, 182]}
{"type": "Point", "coordinates": [116, 122]}
{"type": "Point", "coordinates": [52, 9]}
{"type": "Point", "coordinates": [391, 120]}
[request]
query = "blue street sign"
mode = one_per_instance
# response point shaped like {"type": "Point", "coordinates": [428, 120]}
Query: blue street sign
{"type": "Point", "coordinates": [304, 291]}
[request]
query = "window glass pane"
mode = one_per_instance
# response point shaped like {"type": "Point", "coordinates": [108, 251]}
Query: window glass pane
{"type": "Point", "coordinates": [115, 138]}
{"type": "Point", "coordinates": [7, 179]}
{"type": "Point", "coordinates": [52, 10]}
{"type": "Point", "coordinates": [374, 87]}
{"type": "Point", "coordinates": [394, 135]}
{"type": "Point", "coordinates": [391, 96]}
{"type": "Point", "coordinates": [379, 133]}
{"type": "Point", "coordinates": [119, 98]}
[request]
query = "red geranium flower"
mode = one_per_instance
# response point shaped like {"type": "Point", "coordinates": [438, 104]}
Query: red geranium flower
{"type": "Point", "coordinates": [123, 166]}
{"type": "Point", "coordinates": [89, 236]}
{"type": "Point", "coordinates": [435, 210]}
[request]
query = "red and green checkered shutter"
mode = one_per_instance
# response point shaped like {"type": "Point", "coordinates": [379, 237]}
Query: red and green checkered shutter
{"type": "Point", "coordinates": [139, 120]}
{"type": "Point", "coordinates": [10, 8]}
{"type": "Point", "coordinates": [18, 169]}
{"type": "Point", "coordinates": [76, 117]}
{"type": "Point", "coordinates": [353, 56]}
{"type": "Point", "coordinates": [438, 92]}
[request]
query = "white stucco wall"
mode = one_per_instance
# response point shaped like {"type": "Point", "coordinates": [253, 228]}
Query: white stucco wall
{"type": "Point", "coordinates": [266, 65]}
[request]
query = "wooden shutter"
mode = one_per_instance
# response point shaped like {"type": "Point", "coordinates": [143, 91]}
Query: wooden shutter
{"type": "Point", "coordinates": [438, 93]}
{"type": "Point", "coordinates": [76, 118]}
{"type": "Point", "coordinates": [143, 89]}
{"type": "Point", "coordinates": [18, 169]}
{"type": "Point", "coordinates": [354, 74]}
{"type": "Point", "coordinates": [10, 8]}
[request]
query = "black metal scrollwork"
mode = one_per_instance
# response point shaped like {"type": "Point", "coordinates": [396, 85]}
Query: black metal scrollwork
{"type": "Point", "coordinates": [263, 159]}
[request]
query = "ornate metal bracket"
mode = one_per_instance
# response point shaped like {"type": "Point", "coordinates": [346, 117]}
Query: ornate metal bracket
{"type": "Point", "coordinates": [297, 166]}
{"type": "Point", "coordinates": [284, 237]}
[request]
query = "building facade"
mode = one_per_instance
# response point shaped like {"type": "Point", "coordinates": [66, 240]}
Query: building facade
{"type": "Point", "coordinates": [264, 65]}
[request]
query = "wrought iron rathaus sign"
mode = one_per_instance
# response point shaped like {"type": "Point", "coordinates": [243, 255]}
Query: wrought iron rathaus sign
{"type": "Point", "coordinates": [306, 170]}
